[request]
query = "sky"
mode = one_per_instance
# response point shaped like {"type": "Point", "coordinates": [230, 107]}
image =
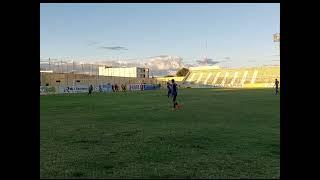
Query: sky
{"type": "Point", "coordinates": [86, 32]}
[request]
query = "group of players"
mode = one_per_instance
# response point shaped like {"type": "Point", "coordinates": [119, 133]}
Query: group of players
{"type": "Point", "coordinates": [173, 92]}
{"type": "Point", "coordinates": [115, 88]}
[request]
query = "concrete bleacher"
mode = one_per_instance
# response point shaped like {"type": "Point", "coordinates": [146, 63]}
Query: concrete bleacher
{"type": "Point", "coordinates": [163, 80]}
{"type": "Point", "coordinates": [232, 77]}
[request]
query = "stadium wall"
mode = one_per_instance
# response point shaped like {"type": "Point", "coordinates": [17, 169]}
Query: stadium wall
{"type": "Point", "coordinates": [71, 79]}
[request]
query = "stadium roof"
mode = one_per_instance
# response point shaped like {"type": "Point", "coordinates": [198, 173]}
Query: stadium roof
{"type": "Point", "coordinates": [204, 67]}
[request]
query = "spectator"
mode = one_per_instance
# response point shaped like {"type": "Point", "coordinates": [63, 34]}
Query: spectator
{"type": "Point", "coordinates": [100, 89]}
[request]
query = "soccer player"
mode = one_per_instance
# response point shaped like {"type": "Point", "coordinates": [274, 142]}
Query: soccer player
{"type": "Point", "coordinates": [116, 88]}
{"type": "Point", "coordinates": [90, 89]}
{"type": "Point", "coordinates": [277, 86]}
{"type": "Point", "coordinates": [169, 89]}
{"type": "Point", "coordinates": [112, 86]}
{"type": "Point", "coordinates": [174, 92]}
{"type": "Point", "coordinates": [100, 88]}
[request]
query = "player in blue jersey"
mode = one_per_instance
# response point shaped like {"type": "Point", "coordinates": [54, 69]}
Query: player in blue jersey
{"type": "Point", "coordinates": [276, 83]}
{"type": "Point", "coordinates": [174, 91]}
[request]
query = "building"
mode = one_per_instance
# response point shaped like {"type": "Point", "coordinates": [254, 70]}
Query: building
{"type": "Point", "coordinates": [46, 71]}
{"type": "Point", "coordinates": [124, 72]}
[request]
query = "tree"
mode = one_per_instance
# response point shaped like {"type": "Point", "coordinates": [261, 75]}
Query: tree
{"type": "Point", "coordinates": [183, 72]}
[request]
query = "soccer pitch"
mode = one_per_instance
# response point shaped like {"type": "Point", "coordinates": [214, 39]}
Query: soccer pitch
{"type": "Point", "coordinates": [219, 133]}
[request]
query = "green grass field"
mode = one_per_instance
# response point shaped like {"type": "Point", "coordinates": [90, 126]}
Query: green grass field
{"type": "Point", "coordinates": [219, 133]}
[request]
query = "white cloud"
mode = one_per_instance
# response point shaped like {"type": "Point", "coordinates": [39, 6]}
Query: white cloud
{"type": "Point", "coordinates": [159, 65]}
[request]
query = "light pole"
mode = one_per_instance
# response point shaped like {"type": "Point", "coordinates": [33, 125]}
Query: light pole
{"type": "Point", "coordinates": [82, 67]}
{"type": "Point", "coordinates": [61, 66]}
{"type": "Point", "coordinates": [91, 70]}
{"type": "Point", "coordinates": [49, 64]}
{"type": "Point", "coordinates": [73, 65]}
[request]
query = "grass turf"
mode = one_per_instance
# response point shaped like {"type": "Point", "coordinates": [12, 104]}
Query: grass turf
{"type": "Point", "coordinates": [219, 133]}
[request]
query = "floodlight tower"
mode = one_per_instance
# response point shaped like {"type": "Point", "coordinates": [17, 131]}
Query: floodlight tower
{"type": "Point", "coordinates": [276, 40]}
{"type": "Point", "coordinates": [206, 59]}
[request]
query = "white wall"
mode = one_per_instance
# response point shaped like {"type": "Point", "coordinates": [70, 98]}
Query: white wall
{"type": "Point", "coordinates": [120, 72]}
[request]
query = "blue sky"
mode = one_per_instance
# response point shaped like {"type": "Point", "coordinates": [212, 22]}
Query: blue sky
{"type": "Point", "coordinates": [242, 32]}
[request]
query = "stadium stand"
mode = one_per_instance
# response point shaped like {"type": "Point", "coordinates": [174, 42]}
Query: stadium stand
{"type": "Point", "coordinates": [232, 77]}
